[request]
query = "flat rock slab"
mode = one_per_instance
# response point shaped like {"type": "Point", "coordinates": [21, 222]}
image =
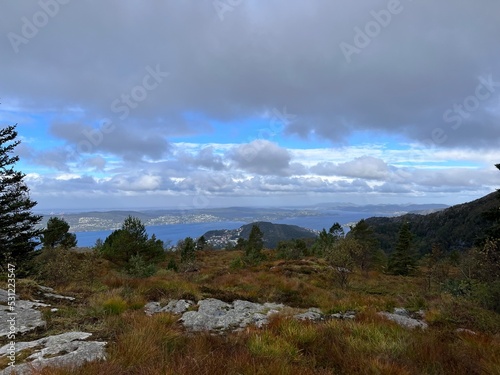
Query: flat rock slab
{"type": "Point", "coordinates": [58, 296]}
{"type": "Point", "coordinates": [216, 315]}
{"type": "Point", "coordinates": [402, 317]}
{"type": "Point", "coordinates": [59, 350]}
{"type": "Point", "coordinates": [26, 317]}
{"type": "Point", "coordinates": [4, 296]}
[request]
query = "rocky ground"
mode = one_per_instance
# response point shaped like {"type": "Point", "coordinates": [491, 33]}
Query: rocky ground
{"type": "Point", "coordinates": [25, 316]}
{"type": "Point", "coordinates": [209, 314]}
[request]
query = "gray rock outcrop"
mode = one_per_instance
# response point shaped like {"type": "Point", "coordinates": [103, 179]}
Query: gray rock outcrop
{"type": "Point", "coordinates": [59, 350]}
{"type": "Point", "coordinates": [49, 293]}
{"type": "Point", "coordinates": [174, 307]}
{"type": "Point", "coordinates": [313, 314]}
{"type": "Point", "coordinates": [24, 317]}
{"type": "Point", "coordinates": [216, 315]}
{"type": "Point", "coordinates": [349, 314]}
{"type": "Point", "coordinates": [402, 317]}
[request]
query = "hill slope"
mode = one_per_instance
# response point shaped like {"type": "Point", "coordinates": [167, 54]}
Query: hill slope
{"type": "Point", "coordinates": [454, 228]}
{"type": "Point", "coordinates": [273, 233]}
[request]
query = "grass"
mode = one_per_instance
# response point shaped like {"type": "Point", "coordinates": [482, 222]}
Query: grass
{"type": "Point", "coordinates": [111, 308]}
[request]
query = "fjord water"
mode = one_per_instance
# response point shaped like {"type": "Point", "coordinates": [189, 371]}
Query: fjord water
{"type": "Point", "coordinates": [172, 233]}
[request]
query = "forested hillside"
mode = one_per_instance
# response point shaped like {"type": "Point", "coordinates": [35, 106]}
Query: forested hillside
{"type": "Point", "coordinates": [455, 228]}
{"type": "Point", "coordinates": [272, 234]}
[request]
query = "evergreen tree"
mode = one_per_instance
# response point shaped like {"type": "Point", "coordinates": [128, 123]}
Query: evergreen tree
{"type": "Point", "coordinates": [363, 233]}
{"type": "Point", "coordinates": [337, 231]}
{"type": "Point", "coordinates": [57, 234]}
{"type": "Point", "coordinates": [187, 248]}
{"type": "Point", "coordinates": [326, 239]}
{"type": "Point", "coordinates": [18, 233]}
{"type": "Point", "coordinates": [402, 260]}
{"type": "Point", "coordinates": [241, 244]}
{"type": "Point", "coordinates": [132, 240]}
{"type": "Point", "coordinates": [201, 243]}
{"type": "Point", "coordinates": [254, 245]}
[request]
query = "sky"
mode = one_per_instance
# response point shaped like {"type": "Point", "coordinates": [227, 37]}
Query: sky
{"type": "Point", "coordinates": [195, 104]}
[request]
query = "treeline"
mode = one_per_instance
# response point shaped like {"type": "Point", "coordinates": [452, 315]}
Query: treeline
{"type": "Point", "coordinates": [456, 228]}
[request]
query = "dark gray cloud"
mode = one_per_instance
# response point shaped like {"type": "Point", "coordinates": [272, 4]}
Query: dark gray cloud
{"type": "Point", "coordinates": [131, 144]}
{"type": "Point", "coordinates": [98, 163]}
{"type": "Point", "coordinates": [205, 158]}
{"type": "Point", "coordinates": [261, 157]}
{"type": "Point", "coordinates": [118, 81]}
{"type": "Point", "coordinates": [426, 62]}
{"type": "Point", "coordinates": [363, 167]}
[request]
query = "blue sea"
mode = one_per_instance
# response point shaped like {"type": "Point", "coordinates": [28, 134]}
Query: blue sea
{"type": "Point", "coordinates": [172, 233]}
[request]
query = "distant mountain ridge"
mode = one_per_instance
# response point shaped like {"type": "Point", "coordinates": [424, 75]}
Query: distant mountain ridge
{"type": "Point", "coordinates": [109, 220]}
{"type": "Point", "coordinates": [454, 228]}
{"type": "Point", "coordinates": [272, 234]}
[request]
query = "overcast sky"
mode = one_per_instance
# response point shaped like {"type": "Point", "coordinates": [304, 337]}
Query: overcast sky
{"type": "Point", "coordinates": [127, 104]}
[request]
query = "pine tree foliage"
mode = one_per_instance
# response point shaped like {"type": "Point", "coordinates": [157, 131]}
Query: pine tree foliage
{"type": "Point", "coordinates": [254, 245]}
{"type": "Point", "coordinates": [363, 233]}
{"type": "Point", "coordinates": [18, 232]}
{"type": "Point", "coordinates": [57, 234]}
{"type": "Point", "coordinates": [131, 240]}
{"type": "Point", "coordinates": [402, 261]}
{"type": "Point", "coordinates": [187, 248]}
{"type": "Point", "coordinates": [326, 239]}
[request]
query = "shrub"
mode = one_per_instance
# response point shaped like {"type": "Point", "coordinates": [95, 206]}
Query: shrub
{"type": "Point", "coordinates": [58, 266]}
{"type": "Point", "coordinates": [172, 265]}
{"type": "Point", "coordinates": [237, 263]}
{"type": "Point", "coordinates": [131, 240]}
{"type": "Point", "coordinates": [138, 267]}
{"type": "Point", "coordinates": [294, 249]}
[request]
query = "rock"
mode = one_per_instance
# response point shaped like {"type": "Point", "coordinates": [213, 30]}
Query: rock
{"type": "Point", "coordinates": [58, 296]}
{"type": "Point", "coordinates": [401, 311]}
{"type": "Point", "coordinates": [216, 315]}
{"type": "Point", "coordinates": [402, 317]}
{"type": "Point", "coordinates": [465, 330]}
{"type": "Point", "coordinates": [342, 270]}
{"type": "Point", "coordinates": [177, 306]}
{"type": "Point", "coordinates": [25, 316]}
{"type": "Point", "coordinates": [260, 320]}
{"type": "Point", "coordinates": [152, 308]}
{"type": "Point", "coordinates": [64, 349]}
{"type": "Point", "coordinates": [349, 314]}
{"type": "Point", "coordinates": [49, 293]}
{"type": "Point", "coordinates": [174, 307]}
{"type": "Point", "coordinates": [420, 314]}
{"type": "Point", "coordinates": [4, 296]}
{"type": "Point", "coordinates": [312, 314]}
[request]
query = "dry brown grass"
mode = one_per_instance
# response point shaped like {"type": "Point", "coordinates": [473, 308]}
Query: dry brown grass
{"type": "Point", "coordinates": [368, 345]}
